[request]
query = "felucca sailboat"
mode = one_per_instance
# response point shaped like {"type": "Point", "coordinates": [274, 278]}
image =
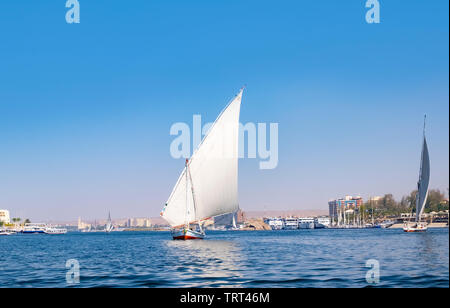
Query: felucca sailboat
{"type": "Point", "coordinates": [207, 186]}
{"type": "Point", "coordinates": [422, 189]}
{"type": "Point", "coordinates": [109, 227]}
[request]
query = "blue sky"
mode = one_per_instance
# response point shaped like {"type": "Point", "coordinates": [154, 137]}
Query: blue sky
{"type": "Point", "coordinates": [85, 109]}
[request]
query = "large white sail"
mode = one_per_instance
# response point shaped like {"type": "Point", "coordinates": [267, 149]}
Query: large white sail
{"type": "Point", "coordinates": [212, 174]}
{"type": "Point", "coordinates": [179, 208]}
{"type": "Point", "coordinates": [424, 180]}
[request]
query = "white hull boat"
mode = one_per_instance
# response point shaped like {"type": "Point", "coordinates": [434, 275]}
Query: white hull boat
{"type": "Point", "coordinates": [55, 231]}
{"type": "Point", "coordinates": [187, 234]}
{"type": "Point", "coordinates": [415, 227]}
{"type": "Point", "coordinates": [7, 232]}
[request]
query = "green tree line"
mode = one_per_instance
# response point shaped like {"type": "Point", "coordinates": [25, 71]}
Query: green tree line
{"type": "Point", "coordinates": [388, 206]}
{"type": "Point", "coordinates": [15, 220]}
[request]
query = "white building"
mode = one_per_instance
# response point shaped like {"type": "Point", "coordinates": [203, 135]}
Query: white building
{"type": "Point", "coordinates": [4, 216]}
{"type": "Point", "coordinates": [83, 225]}
{"type": "Point", "coordinates": [142, 222]}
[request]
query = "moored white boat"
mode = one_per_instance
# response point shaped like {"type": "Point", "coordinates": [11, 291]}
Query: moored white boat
{"type": "Point", "coordinates": [321, 222]}
{"type": "Point", "coordinates": [7, 232]}
{"type": "Point", "coordinates": [387, 224]}
{"type": "Point", "coordinates": [275, 223]}
{"type": "Point", "coordinates": [306, 223]}
{"type": "Point", "coordinates": [55, 231]}
{"type": "Point", "coordinates": [34, 228]}
{"type": "Point", "coordinates": [291, 223]}
{"type": "Point", "coordinates": [41, 228]}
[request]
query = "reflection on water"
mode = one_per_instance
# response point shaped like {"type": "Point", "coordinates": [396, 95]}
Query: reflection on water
{"type": "Point", "coordinates": [204, 262]}
{"type": "Point", "coordinates": [301, 258]}
{"type": "Point", "coordinates": [427, 249]}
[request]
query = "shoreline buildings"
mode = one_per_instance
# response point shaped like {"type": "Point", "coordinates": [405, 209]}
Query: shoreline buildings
{"type": "Point", "coordinates": [294, 223]}
{"type": "Point", "coordinates": [139, 223]}
{"type": "Point", "coordinates": [121, 223]}
{"type": "Point", "coordinates": [82, 225]}
{"type": "Point", "coordinates": [5, 217]}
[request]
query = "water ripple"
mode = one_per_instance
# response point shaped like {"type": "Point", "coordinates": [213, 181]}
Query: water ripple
{"type": "Point", "coordinates": [318, 258]}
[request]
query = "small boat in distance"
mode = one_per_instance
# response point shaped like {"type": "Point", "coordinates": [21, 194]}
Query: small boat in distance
{"type": "Point", "coordinates": [422, 190]}
{"type": "Point", "coordinates": [55, 231]}
{"type": "Point", "coordinates": [386, 224]}
{"type": "Point", "coordinates": [109, 227]}
{"type": "Point", "coordinates": [207, 186]}
{"type": "Point", "coordinates": [34, 228]}
{"type": "Point", "coordinates": [41, 228]}
{"type": "Point", "coordinates": [234, 227]}
{"type": "Point", "coordinates": [7, 232]}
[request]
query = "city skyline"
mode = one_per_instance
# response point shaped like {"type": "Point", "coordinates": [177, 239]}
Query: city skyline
{"type": "Point", "coordinates": [86, 109]}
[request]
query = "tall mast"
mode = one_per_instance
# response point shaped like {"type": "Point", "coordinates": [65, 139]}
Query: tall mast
{"type": "Point", "coordinates": [371, 204]}
{"type": "Point", "coordinates": [186, 215]}
{"type": "Point", "coordinates": [188, 170]}
{"type": "Point", "coordinates": [362, 214]}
